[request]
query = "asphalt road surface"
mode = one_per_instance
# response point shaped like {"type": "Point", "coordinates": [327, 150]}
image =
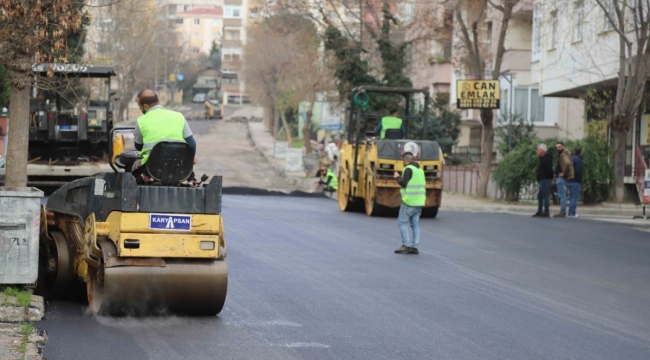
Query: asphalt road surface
{"type": "Point", "coordinates": [309, 282]}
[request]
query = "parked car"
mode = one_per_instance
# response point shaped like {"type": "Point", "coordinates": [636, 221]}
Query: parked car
{"type": "Point", "coordinates": [199, 98]}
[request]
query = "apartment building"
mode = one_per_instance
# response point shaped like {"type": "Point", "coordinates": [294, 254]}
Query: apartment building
{"type": "Point", "coordinates": [200, 27]}
{"type": "Point", "coordinates": [578, 49]}
{"type": "Point", "coordinates": [521, 82]}
{"type": "Point", "coordinates": [235, 21]}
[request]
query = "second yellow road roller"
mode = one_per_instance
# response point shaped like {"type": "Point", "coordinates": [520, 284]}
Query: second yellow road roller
{"type": "Point", "coordinates": [139, 248]}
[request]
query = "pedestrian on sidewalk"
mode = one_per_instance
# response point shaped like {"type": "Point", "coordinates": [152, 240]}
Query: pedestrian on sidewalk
{"type": "Point", "coordinates": [576, 182]}
{"type": "Point", "coordinates": [414, 196]}
{"type": "Point", "coordinates": [544, 178]}
{"type": "Point", "coordinates": [563, 173]}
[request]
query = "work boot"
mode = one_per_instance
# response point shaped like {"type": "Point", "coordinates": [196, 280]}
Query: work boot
{"type": "Point", "coordinates": [537, 214]}
{"type": "Point", "coordinates": [559, 215]}
{"type": "Point", "coordinates": [413, 251]}
{"type": "Point", "coordinates": [402, 250]}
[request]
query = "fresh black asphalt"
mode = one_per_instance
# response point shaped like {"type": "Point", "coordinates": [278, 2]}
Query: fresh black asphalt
{"type": "Point", "coordinates": [307, 281]}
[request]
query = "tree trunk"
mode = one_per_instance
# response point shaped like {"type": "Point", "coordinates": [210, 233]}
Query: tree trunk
{"type": "Point", "coordinates": [274, 116]}
{"type": "Point", "coordinates": [287, 128]}
{"type": "Point", "coordinates": [306, 132]}
{"type": "Point", "coordinates": [619, 165]}
{"type": "Point", "coordinates": [268, 118]}
{"type": "Point", "coordinates": [487, 117]}
{"type": "Point", "coordinates": [17, 148]}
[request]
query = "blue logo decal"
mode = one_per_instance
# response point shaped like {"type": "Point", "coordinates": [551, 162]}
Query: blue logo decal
{"type": "Point", "coordinates": [170, 222]}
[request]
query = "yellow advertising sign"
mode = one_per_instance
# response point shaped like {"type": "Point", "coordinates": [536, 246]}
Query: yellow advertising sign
{"type": "Point", "coordinates": [478, 94]}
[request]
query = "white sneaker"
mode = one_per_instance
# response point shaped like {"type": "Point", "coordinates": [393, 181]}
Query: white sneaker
{"type": "Point", "coordinates": [575, 216]}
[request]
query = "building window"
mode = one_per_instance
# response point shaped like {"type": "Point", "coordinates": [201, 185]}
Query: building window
{"type": "Point", "coordinates": [230, 54]}
{"type": "Point", "coordinates": [197, 21]}
{"type": "Point", "coordinates": [232, 12]}
{"type": "Point", "coordinates": [196, 50]}
{"type": "Point", "coordinates": [580, 19]}
{"type": "Point", "coordinates": [609, 10]}
{"type": "Point", "coordinates": [529, 105]}
{"type": "Point", "coordinates": [489, 33]}
{"type": "Point", "coordinates": [537, 34]}
{"type": "Point", "coordinates": [232, 35]}
{"type": "Point", "coordinates": [216, 22]}
{"type": "Point", "coordinates": [187, 7]}
{"type": "Point", "coordinates": [179, 21]}
{"type": "Point", "coordinates": [554, 29]}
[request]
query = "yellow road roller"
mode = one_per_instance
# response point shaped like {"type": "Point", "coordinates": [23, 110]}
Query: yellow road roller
{"type": "Point", "coordinates": [139, 248]}
{"type": "Point", "coordinates": [366, 179]}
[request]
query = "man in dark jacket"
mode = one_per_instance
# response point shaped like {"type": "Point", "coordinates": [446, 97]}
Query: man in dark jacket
{"type": "Point", "coordinates": [575, 183]}
{"type": "Point", "coordinates": [544, 179]}
{"type": "Point", "coordinates": [563, 174]}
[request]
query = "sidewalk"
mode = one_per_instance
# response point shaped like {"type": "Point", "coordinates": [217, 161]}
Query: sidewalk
{"type": "Point", "coordinates": [265, 144]}
{"type": "Point", "coordinates": [19, 338]}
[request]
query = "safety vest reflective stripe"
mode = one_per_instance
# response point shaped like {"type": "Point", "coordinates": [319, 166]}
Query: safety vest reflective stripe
{"type": "Point", "coordinates": [388, 123]}
{"type": "Point", "coordinates": [334, 183]}
{"type": "Point", "coordinates": [415, 193]}
{"type": "Point", "coordinates": [159, 125]}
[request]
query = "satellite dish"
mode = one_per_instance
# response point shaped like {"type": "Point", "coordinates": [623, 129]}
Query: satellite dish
{"type": "Point", "coordinates": [411, 147]}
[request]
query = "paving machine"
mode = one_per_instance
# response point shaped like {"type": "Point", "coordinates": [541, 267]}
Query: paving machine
{"type": "Point", "coordinates": [367, 165]}
{"type": "Point", "coordinates": [65, 131]}
{"type": "Point", "coordinates": [138, 248]}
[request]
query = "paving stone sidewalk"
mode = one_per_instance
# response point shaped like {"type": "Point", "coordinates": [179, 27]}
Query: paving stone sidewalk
{"type": "Point", "coordinates": [265, 144]}
{"type": "Point", "coordinates": [20, 337]}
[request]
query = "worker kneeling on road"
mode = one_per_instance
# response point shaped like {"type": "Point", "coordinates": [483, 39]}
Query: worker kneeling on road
{"type": "Point", "coordinates": [414, 197]}
{"type": "Point", "coordinates": [157, 124]}
{"type": "Point", "coordinates": [328, 180]}
{"type": "Point", "coordinates": [391, 122]}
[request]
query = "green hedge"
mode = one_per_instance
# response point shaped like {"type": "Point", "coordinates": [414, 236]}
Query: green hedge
{"type": "Point", "coordinates": [518, 168]}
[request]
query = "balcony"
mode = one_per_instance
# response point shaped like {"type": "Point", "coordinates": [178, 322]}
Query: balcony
{"type": "Point", "coordinates": [232, 44]}
{"type": "Point", "coordinates": [523, 9]}
{"type": "Point", "coordinates": [233, 2]}
{"type": "Point", "coordinates": [232, 22]}
{"type": "Point", "coordinates": [516, 60]}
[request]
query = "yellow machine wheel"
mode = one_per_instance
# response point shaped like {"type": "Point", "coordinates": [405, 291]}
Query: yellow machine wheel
{"type": "Point", "coordinates": [54, 273]}
{"type": "Point", "coordinates": [343, 197]}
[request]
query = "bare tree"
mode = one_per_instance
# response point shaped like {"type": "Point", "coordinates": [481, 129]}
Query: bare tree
{"type": "Point", "coordinates": [31, 31]}
{"type": "Point", "coordinates": [631, 21]}
{"type": "Point", "coordinates": [139, 53]}
{"type": "Point", "coordinates": [480, 62]}
{"type": "Point", "coordinates": [283, 67]}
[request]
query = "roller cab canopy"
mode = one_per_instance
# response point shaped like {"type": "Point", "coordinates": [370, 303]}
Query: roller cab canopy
{"type": "Point", "coordinates": [75, 70]}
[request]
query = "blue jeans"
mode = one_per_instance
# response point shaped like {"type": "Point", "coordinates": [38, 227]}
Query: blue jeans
{"type": "Point", "coordinates": [574, 188]}
{"type": "Point", "coordinates": [544, 196]}
{"type": "Point", "coordinates": [560, 183]}
{"type": "Point", "coordinates": [409, 214]}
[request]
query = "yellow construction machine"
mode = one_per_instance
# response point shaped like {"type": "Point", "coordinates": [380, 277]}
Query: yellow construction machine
{"type": "Point", "coordinates": [367, 164]}
{"type": "Point", "coordinates": [138, 248]}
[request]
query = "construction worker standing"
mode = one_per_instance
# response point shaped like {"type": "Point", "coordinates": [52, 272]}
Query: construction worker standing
{"type": "Point", "coordinates": [414, 196]}
{"type": "Point", "coordinates": [391, 122]}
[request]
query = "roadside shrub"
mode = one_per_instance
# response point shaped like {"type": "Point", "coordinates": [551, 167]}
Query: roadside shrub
{"type": "Point", "coordinates": [518, 168]}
